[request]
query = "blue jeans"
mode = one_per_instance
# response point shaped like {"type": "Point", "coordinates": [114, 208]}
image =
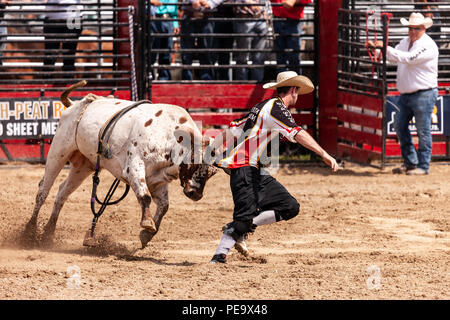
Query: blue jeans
{"type": "Point", "coordinates": [255, 28]}
{"type": "Point", "coordinates": [289, 32]}
{"type": "Point", "coordinates": [223, 58]}
{"type": "Point", "coordinates": [419, 105]}
{"type": "Point", "coordinates": [188, 27]}
{"type": "Point", "coordinates": [162, 27]}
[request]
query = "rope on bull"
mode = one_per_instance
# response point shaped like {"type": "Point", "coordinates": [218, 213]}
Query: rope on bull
{"type": "Point", "coordinates": [105, 151]}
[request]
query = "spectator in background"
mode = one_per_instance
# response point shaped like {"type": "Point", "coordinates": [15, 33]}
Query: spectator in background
{"type": "Point", "coordinates": [226, 26]}
{"type": "Point", "coordinates": [289, 30]}
{"type": "Point", "coordinates": [163, 10]}
{"type": "Point", "coordinates": [250, 9]}
{"type": "Point", "coordinates": [435, 30]}
{"type": "Point", "coordinates": [195, 19]}
{"type": "Point", "coordinates": [62, 22]}
{"type": "Point", "coordinates": [3, 29]}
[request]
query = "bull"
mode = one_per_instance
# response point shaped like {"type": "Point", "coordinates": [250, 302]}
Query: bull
{"type": "Point", "coordinates": [148, 147]}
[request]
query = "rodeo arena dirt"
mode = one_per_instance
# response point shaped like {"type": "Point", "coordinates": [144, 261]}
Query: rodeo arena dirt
{"type": "Point", "coordinates": [362, 232]}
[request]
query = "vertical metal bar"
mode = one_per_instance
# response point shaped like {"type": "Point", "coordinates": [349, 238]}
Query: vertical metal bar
{"type": "Point", "coordinates": [148, 57]}
{"type": "Point", "coordinates": [141, 48]}
{"type": "Point", "coordinates": [384, 91]}
{"type": "Point", "coordinates": [316, 72]}
{"type": "Point", "coordinates": [41, 140]}
{"type": "Point", "coordinates": [115, 36]}
{"type": "Point", "coordinates": [99, 43]}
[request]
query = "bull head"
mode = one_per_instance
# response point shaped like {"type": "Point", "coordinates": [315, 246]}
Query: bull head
{"type": "Point", "coordinates": [190, 156]}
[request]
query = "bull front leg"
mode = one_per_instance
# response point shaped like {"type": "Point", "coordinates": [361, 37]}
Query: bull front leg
{"type": "Point", "coordinates": [134, 172]}
{"type": "Point", "coordinates": [160, 195]}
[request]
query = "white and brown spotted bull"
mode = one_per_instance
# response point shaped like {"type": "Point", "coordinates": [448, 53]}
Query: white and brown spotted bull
{"type": "Point", "coordinates": [145, 151]}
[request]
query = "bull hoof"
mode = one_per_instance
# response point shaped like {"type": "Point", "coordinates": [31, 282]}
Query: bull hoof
{"type": "Point", "coordinates": [149, 225]}
{"type": "Point", "coordinates": [47, 240]}
{"type": "Point", "coordinates": [48, 236]}
{"type": "Point", "coordinates": [145, 236]}
{"type": "Point", "coordinates": [89, 241]}
{"type": "Point", "coordinates": [29, 236]}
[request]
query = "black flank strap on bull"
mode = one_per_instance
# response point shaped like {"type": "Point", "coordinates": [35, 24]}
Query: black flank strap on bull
{"type": "Point", "coordinates": [104, 150]}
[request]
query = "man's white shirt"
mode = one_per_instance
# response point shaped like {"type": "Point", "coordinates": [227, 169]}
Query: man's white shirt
{"type": "Point", "coordinates": [417, 69]}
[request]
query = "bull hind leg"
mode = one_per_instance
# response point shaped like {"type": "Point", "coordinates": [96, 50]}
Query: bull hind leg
{"type": "Point", "coordinates": [55, 162]}
{"type": "Point", "coordinates": [160, 195]}
{"type": "Point", "coordinates": [80, 169]}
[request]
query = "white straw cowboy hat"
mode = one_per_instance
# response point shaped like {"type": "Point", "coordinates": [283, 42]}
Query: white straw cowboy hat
{"type": "Point", "coordinates": [291, 79]}
{"type": "Point", "coordinates": [417, 19]}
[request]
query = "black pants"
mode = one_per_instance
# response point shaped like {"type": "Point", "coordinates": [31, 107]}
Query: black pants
{"type": "Point", "coordinates": [253, 193]}
{"type": "Point", "coordinates": [69, 45]}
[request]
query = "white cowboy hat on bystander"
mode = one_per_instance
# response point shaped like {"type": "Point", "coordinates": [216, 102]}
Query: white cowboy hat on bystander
{"type": "Point", "coordinates": [417, 19]}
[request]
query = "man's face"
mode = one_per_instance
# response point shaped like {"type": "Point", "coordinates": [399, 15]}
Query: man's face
{"type": "Point", "coordinates": [294, 95]}
{"type": "Point", "coordinates": [415, 32]}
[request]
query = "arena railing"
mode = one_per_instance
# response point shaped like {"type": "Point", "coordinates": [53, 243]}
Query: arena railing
{"type": "Point", "coordinates": [307, 38]}
{"type": "Point", "coordinates": [110, 38]}
{"type": "Point", "coordinates": [96, 59]}
{"type": "Point", "coordinates": [30, 90]}
{"type": "Point", "coordinates": [216, 101]}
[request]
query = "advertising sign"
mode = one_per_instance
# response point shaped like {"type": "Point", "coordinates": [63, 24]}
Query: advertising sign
{"type": "Point", "coordinates": [439, 117]}
{"type": "Point", "coordinates": [29, 119]}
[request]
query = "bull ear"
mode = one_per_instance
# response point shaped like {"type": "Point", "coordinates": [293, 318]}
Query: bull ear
{"type": "Point", "coordinates": [187, 139]}
{"type": "Point", "coordinates": [182, 133]}
{"type": "Point", "coordinates": [186, 132]}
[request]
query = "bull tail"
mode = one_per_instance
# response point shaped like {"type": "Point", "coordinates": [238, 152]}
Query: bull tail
{"type": "Point", "coordinates": [65, 95]}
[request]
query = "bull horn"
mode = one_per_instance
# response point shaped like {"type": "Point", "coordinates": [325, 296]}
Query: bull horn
{"type": "Point", "coordinates": [65, 95]}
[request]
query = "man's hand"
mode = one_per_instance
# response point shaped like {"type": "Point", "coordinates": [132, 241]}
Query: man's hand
{"type": "Point", "coordinates": [196, 4]}
{"type": "Point", "coordinates": [155, 2]}
{"type": "Point", "coordinates": [305, 139]}
{"type": "Point", "coordinates": [204, 4]}
{"type": "Point", "coordinates": [371, 44]}
{"type": "Point", "coordinates": [329, 160]}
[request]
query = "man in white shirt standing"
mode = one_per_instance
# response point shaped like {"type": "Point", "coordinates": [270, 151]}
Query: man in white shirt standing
{"type": "Point", "coordinates": [417, 71]}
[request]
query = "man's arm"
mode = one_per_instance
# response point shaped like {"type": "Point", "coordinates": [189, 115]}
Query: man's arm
{"type": "Point", "coordinates": [416, 56]}
{"type": "Point", "coordinates": [308, 142]}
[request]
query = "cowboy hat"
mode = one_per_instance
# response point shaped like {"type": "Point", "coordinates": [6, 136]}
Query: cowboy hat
{"type": "Point", "coordinates": [291, 79]}
{"type": "Point", "coordinates": [417, 19]}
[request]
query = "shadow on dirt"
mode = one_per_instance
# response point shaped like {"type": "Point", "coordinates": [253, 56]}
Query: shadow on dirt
{"type": "Point", "coordinates": [326, 171]}
{"type": "Point", "coordinates": [106, 247]}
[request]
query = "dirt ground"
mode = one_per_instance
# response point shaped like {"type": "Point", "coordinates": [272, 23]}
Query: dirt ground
{"type": "Point", "coordinates": [363, 233]}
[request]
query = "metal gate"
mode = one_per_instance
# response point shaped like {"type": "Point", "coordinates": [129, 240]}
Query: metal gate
{"type": "Point", "coordinates": [45, 48]}
{"type": "Point", "coordinates": [361, 87]}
